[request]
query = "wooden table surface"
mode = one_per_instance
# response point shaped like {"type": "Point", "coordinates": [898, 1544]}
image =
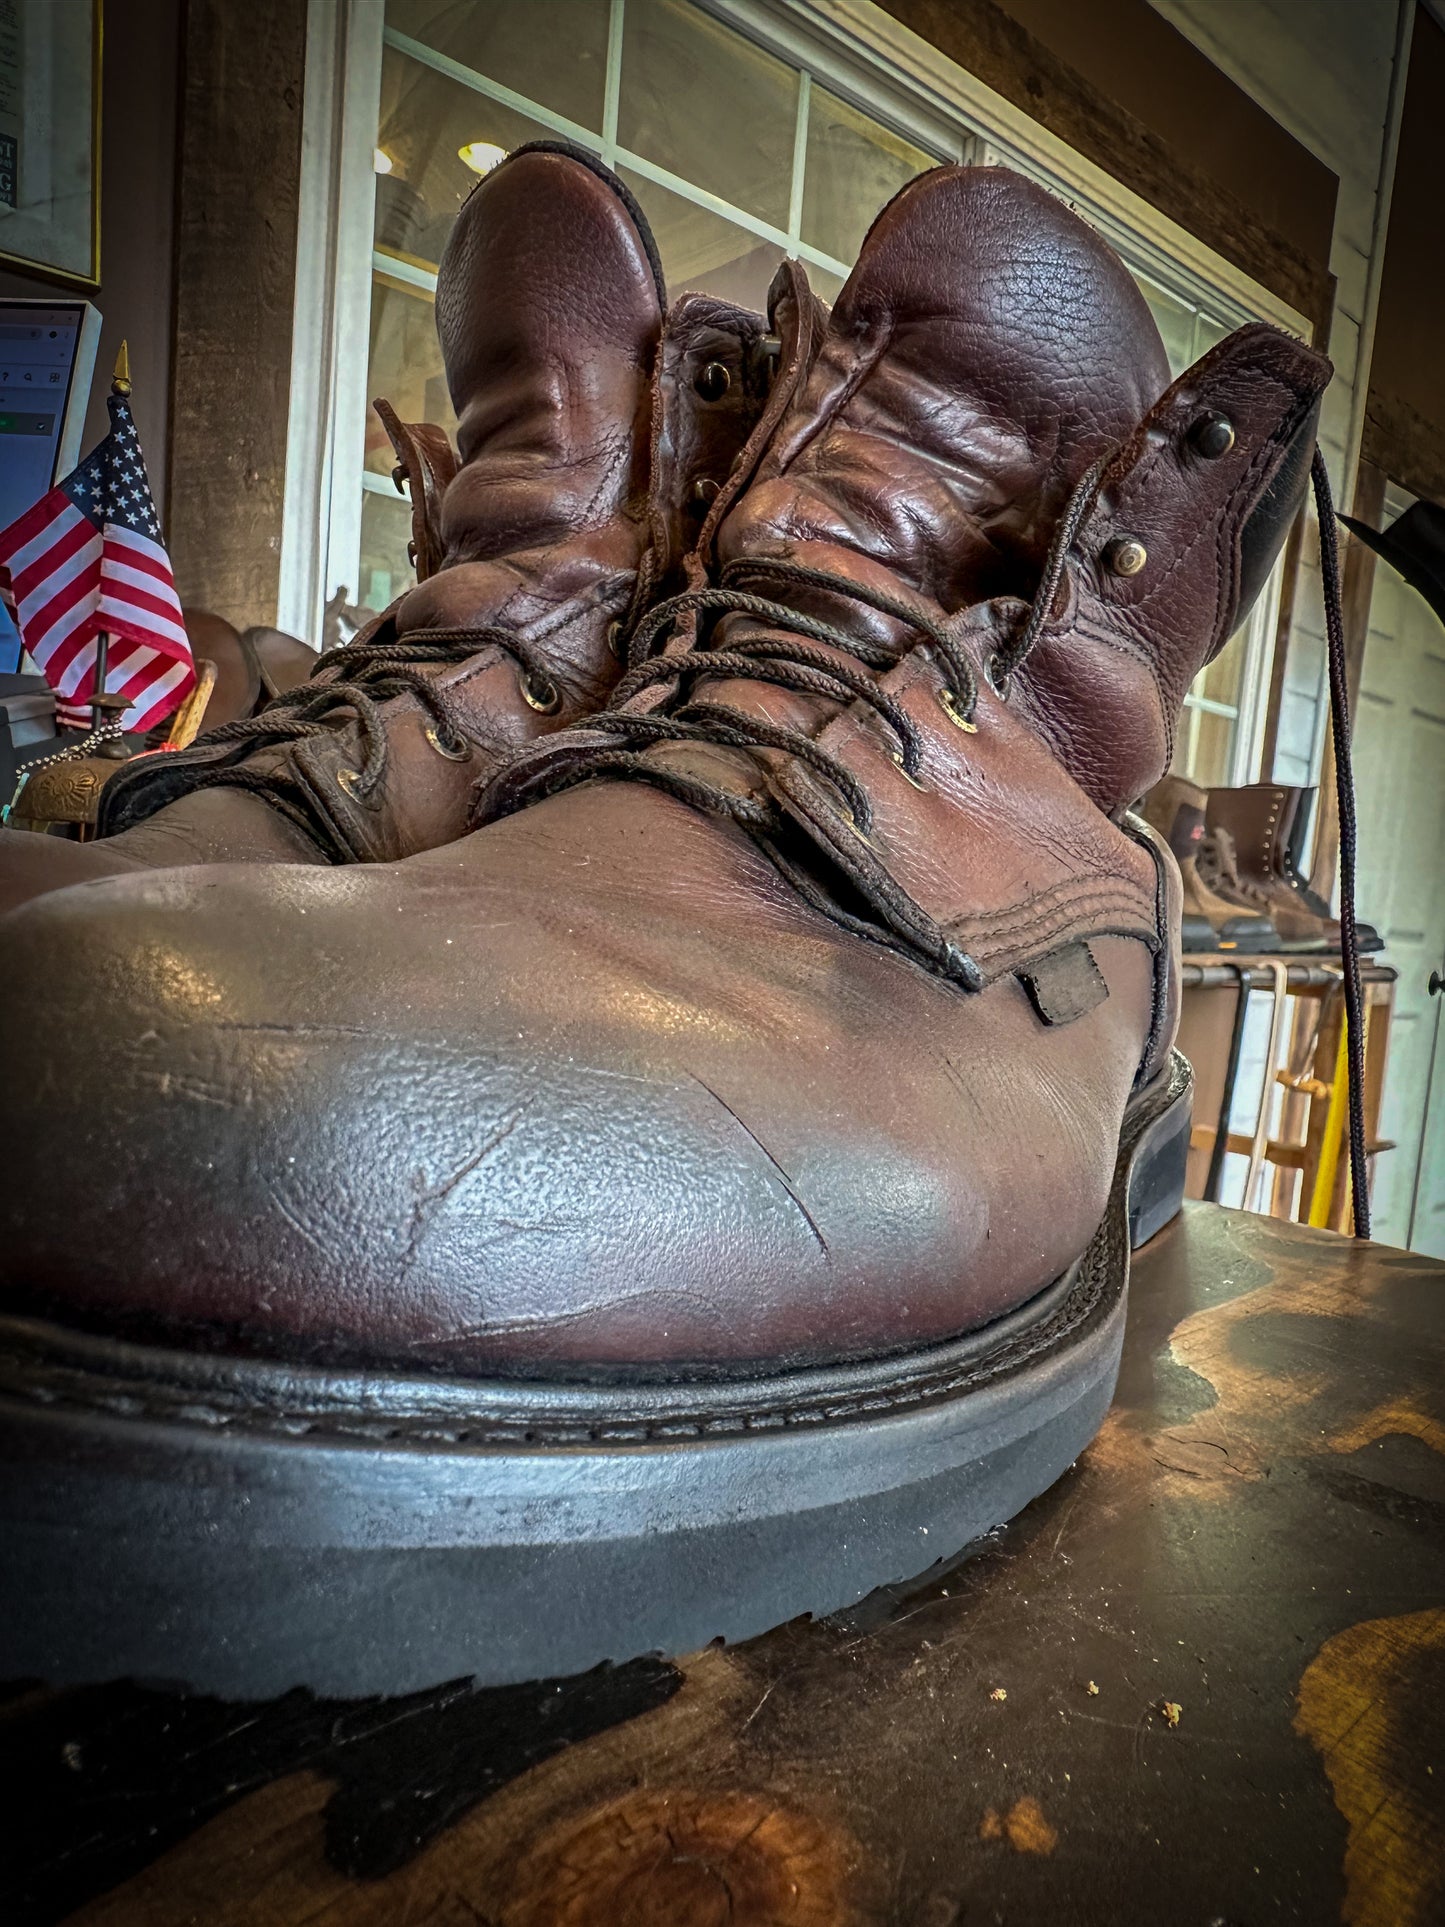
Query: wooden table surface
{"type": "Point", "coordinates": [1202, 1680]}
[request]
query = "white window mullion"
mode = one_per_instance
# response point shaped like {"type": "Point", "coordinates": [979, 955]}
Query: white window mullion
{"type": "Point", "coordinates": [355, 228]}
{"type": "Point", "coordinates": [612, 83]}
{"type": "Point", "coordinates": [800, 161]}
{"type": "Point", "coordinates": [400, 269]}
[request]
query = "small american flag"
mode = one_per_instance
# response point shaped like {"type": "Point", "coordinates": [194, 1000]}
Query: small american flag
{"type": "Point", "coordinates": [87, 559]}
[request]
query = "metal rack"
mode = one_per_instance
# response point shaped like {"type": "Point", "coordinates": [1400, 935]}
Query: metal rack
{"type": "Point", "coordinates": [1309, 1136]}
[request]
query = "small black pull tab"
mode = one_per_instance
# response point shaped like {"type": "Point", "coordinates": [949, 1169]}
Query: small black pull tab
{"type": "Point", "coordinates": [1064, 985]}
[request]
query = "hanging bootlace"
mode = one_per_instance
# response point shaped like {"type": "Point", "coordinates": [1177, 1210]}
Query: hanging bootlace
{"type": "Point", "coordinates": [1345, 795]}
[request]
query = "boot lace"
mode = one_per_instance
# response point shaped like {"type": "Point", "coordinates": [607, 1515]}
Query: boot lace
{"type": "Point", "coordinates": [373, 672]}
{"type": "Point", "coordinates": [784, 660]}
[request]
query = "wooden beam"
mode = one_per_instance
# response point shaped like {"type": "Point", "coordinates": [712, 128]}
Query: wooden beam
{"type": "Point", "coordinates": [237, 194]}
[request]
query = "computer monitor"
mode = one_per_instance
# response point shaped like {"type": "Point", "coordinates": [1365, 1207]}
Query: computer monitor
{"type": "Point", "coordinates": [47, 358]}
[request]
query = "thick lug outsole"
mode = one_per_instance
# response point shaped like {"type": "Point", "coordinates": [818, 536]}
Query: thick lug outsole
{"type": "Point", "coordinates": [240, 1528]}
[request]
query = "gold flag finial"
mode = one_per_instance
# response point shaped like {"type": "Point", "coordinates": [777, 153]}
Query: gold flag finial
{"type": "Point", "coordinates": [120, 380]}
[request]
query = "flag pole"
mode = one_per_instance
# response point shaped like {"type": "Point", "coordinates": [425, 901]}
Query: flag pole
{"type": "Point", "coordinates": [104, 707]}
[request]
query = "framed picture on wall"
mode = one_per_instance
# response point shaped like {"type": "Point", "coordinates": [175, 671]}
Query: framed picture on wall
{"type": "Point", "coordinates": [50, 138]}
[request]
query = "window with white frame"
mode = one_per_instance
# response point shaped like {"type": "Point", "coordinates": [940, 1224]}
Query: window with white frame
{"type": "Point", "coordinates": [747, 132]}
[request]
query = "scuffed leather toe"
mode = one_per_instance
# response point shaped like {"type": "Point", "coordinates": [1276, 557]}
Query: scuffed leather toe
{"type": "Point", "coordinates": [449, 1114]}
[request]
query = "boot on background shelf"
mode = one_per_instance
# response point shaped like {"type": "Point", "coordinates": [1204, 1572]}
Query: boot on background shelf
{"type": "Point", "coordinates": [1295, 875]}
{"type": "Point", "coordinates": [1256, 821]}
{"type": "Point", "coordinates": [1175, 807]}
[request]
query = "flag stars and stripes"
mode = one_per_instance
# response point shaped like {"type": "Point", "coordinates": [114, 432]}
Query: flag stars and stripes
{"type": "Point", "coordinates": [87, 558]}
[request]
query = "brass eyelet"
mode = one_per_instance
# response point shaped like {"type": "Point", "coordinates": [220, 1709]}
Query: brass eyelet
{"type": "Point", "coordinates": [460, 754]}
{"type": "Point", "coordinates": [714, 381]}
{"type": "Point", "coordinates": [540, 693]}
{"type": "Point", "coordinates": [398, 479]}
{"type": "Point", "coordinates": [705, 490]}
{"type": "Point", "coordinates": [858, 830]}
{"type": "Point", "coordinates": [348, 779]}
{"type": "Point", "coordinates": [614, 640]}
{"type": "Point", "coordinates": [948, 703]}
{"type": "Point", "coordinates": [902, 767]}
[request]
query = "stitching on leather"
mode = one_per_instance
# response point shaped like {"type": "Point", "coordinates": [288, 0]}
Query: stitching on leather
{"type": "Point", "coordinates": [1085, 898]}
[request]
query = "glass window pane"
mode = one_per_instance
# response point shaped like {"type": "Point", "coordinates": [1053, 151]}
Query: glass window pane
{"type": "Point", "coordinates": [1174, 321]}
{"type": "Point", "coordinates": [853, 166]}
{"type": "Point", "coordinates": [1220, 681]}
{"type": "Point", "coordinates": [1206, 332]}
{"type": "Point", "coordinates": [1206, 745]}
{"type": "Point", "coordinates": [553, 51]}
{"type": "Point", "coordinates": [385, 532]}
{"type": "Point", "coordinates": [426, 120]}
{"type": "Point", "coordinates": [405, 367]}
{"type": "Point", "coordinates": [824, 283]}
{"type": "Point", "coordinates": [699, 100]}
{"type": "Point", "coordinates": [701, 250]}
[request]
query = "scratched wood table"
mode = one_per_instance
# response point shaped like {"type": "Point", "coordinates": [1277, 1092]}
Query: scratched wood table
{"type": "Point", "coordinates": [1202, 1680]}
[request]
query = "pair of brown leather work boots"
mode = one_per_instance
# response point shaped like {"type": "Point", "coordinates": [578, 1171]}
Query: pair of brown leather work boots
{"type": "Point", "coordinates": [1239, 854]}
{"type": "Point", "coordinates": [624, 1116]}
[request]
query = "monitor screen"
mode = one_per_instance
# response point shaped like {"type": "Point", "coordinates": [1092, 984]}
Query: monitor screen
{"type": "Point", "coordinates": [47, 356]}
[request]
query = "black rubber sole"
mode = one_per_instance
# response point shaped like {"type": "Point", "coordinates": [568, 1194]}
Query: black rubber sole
{"type": "Point", "coordinates": [240, 1528]}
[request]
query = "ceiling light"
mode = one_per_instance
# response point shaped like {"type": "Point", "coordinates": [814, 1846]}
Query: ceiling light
{"type": "Point", "coordinates": [381, 161]}
{"type": "Point", "coordinates": [481, 156]}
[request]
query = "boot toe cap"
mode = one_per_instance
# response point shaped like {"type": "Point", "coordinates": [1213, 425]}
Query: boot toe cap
{"type": "Point", "coordinates": [345, 1114]}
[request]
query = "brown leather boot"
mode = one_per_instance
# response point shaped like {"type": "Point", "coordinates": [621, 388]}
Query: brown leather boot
{"type": "Point", "coordinates": [1295, 856]}
{"type": "Point", "coordinates": [1250, 827]}
{"type": "Point", "coordinates": [1263, 822]}
{"type": "Point", "coordinates": [706, 1192]}
{"type": "Point", "coordinates": [1176, 809]}
{"type": "Point", "coordinates": [588, 459]}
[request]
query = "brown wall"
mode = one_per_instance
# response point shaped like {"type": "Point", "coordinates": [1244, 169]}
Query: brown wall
{"type": "Point", "coordinates": [1122, 86]}
{"type": "Point", "coordinates": [137, 220]}
{"type": "Point", "coordinates": [1405, 411]}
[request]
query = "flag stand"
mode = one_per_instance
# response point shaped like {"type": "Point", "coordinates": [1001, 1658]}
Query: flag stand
{"type": "Point", "coordinates": [110, 708]}
{"type": "Point", "coordinates": [105, 707]}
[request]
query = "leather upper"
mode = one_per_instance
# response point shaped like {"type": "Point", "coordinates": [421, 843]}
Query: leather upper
{"type": "Point", "coordinates": [576, 498]}
{"type": "Point", "coordinates": [1107, 675]}
{"type": "Point", "coordinates": [789, 1012]}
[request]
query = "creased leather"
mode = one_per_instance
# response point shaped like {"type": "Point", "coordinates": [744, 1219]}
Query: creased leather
{"type": "Point", "coordinates": [1108, 674]}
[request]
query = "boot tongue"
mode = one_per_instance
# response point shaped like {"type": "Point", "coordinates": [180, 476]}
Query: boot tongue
{"type": "Point", "coordinates": [986, 350]}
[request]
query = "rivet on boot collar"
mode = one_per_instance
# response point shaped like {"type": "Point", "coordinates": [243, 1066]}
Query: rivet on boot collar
{"type": "Point", "coordinates": [1125, 555]}
{"type": "Point", "coordinates": [1212, 436]}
